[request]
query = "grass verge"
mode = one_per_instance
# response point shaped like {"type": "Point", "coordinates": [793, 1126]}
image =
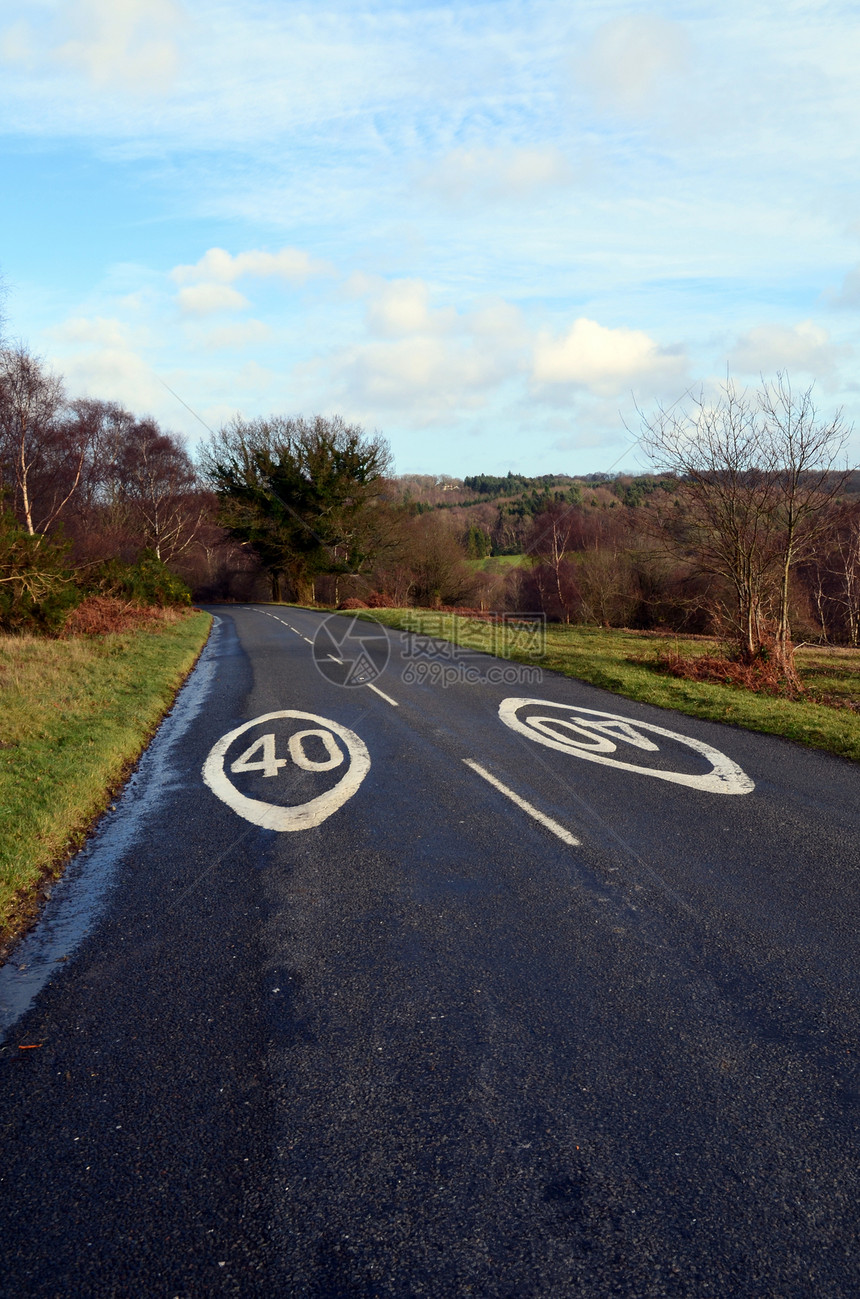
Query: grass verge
{"type": "Point", "coordinates": [498, 563]}
{"type": "Point", "coordinates": [75, 715]}
{"type": "Point", "coordinates": [626, 663]}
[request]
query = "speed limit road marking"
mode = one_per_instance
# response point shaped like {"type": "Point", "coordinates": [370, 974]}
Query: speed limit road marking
{"type": "Point", "coordinates": [593, 735]}
{"type": "Point", "coordinates": [341, 746]}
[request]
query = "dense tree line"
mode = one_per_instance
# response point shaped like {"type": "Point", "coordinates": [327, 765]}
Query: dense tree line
{"type": "Point", "coordinates": [95, 500]}
{"type": "Point", "coordinates": [748, 527]}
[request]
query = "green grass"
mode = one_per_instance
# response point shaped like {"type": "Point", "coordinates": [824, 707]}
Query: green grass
{"type": "Point", "coordinates": [74, 716]}
{"type": "Point", "coordinates": [498, 563]}
{"type": "Point", "coordinates": [607, 659]}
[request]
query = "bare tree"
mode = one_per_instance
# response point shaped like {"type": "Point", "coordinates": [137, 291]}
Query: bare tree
{"type": "Point", "coordinates": [553, 537]}
{"type": "Point", "coordinates": [848, 573]}
{"type": "Point", "coordinates": [802, 451]}
{"type": "Point", "coordinates": [440, 574]}
{"type": "Point", "coordinates": [105, 428]}
{"type": "Point", "coordinates": [40, 460]}
{"type": "Point", "coordinates": [832, 574]}
{"type": "Point", "coordinates": [158, 487]}
{"type": "Point", "coordinates": [756, 474]}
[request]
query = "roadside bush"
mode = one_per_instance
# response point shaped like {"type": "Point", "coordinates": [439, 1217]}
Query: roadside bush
{"type": "Point", "coordinates": [147, 581]}
{"type": "Point", "coordinates": [36, 587]}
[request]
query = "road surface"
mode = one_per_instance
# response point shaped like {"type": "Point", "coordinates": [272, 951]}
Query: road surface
{"type": "Point", "coordinates": [398, 971]}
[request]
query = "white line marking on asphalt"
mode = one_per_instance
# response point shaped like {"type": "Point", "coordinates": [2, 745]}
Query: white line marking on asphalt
{"type": "Point", "coordinates": [725, 776]}
{"type": "Point", "coordinates": [375, 689]}
{"type": "Point", "coordinates": [296, 745]}
{"type": "Point", "coordinates": [546, 821]}
{"type": "Point", "coordinates": [382, 695]}
{"type": "Point", "coordinates": [273, 816]}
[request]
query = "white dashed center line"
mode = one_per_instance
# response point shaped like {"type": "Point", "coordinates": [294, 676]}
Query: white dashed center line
{"type": "Point", "coordinates": [546, 821]}
{"type": "Point", "coordinates": [382, 695]}
{"type": "Point", "coordinates": [289, 626]}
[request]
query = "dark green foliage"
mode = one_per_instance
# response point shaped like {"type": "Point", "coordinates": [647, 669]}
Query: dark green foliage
{"type": "Point", "coordinates": [301, 494]}
{"type": "Point", "coordinates": [478, 543]}
{"type": "Point", "coordinates": [36, 587]}
{"type": "Point", "coordinates": [147, 581]}
{"type": "Point", "coordinates": [516, 484]}
{"type": "Point", "coordinates": [490, 485]}
{"type": "Point", "coordinates": [634, 492]}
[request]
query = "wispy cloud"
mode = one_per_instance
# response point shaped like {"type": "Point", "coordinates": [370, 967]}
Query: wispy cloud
{"type": "Point", "coordinates": [509, 215]}
{"type": "Point", "coordinates": [805, 347]}
{"type": "Point", "coordinates": [130, 44]}
{"type": "Point", "coordinates": [291, 264]}
{"type": "Point", "coordinates": [631, 60]}
{"type": "Point", "coordinates": [492, 174]}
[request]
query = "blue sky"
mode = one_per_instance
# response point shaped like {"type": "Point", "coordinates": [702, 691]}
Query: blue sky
{"type": "Point", "coordinates": [488, 230]}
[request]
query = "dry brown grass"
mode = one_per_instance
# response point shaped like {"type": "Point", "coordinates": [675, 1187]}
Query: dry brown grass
{"type": "Point", "coordinates": [761, 676]}
{"type": "Point", "coordinates": [102, 615]}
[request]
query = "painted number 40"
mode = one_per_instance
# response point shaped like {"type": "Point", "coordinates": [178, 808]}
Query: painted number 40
{"type": "Point", "coordinates": [261, 755]}
{"type": "Point", "coordinates": [321, 746]}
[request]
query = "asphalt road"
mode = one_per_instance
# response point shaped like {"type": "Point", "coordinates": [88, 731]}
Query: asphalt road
{"type": "Point", "coordinates": [423, 993]}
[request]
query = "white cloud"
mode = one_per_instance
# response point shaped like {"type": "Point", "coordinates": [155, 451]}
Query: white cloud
{"type": "Point", "coordinates": [425, 363]}
{"type": "Point", "coordinates": [243, 334]}
{"type": "Point", "coordinates": [101, 330]}
{"type": "Point", "coordinates": [430, 378]}
{"type": "Point", "coordinates": [205, 299]}
{"type": "Point", "coordinates": [290, 264]}
{"type": "Point", "coordinates": [398, 308]}
{"type": "Point", "coordinates": [498, 173]}
{"type": "Point", "coordinates": [849, 294]}
{"type": "Point", "coordinates": [630, 61]}
{"type": "Point", "coordinates": [805, 346]}
{"type": "Point", "coordinates": [101, 357]}
{"type": "Point", "coordinates": [114, 374]}
{"type": "Point", "coordinates": [120, 43]}
{"type": "Point", "coordinates": [499, 324]}
{"type": "Point", "coordinates": [605, 361]}
{"type": "Point", "coordinates": [17, 44]}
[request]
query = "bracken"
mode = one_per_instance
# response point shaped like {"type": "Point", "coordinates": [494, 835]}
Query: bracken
{"type": "Point", "coordinates": [100, 615]}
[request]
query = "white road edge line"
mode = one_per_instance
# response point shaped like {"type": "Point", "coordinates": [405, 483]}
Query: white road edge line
{"type": "Point", "coordinates": [547, 821]}
{"type": "Point", "coordinates": [383, 695]}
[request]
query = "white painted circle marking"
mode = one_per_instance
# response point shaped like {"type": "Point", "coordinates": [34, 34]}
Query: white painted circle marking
{"type": "Point", "coordinates": [273, 816]}
{"type": "Point", "coordinates": [602, 731]}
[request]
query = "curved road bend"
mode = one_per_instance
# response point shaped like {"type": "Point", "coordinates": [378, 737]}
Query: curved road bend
{"type": "Point", "coordinates": [490, 988]}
